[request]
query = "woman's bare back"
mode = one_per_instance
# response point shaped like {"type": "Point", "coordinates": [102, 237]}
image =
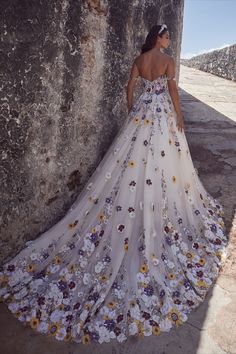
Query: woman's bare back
{"type": "Point", "coordinates": [152, 64]}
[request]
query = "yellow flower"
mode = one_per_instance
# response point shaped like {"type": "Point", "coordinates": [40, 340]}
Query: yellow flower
{"type": "Point", "coordinates": [30, 268]}
{"type": "Point", "coordinates": [141, 329]}
{"type": "Point", "coordinates": [72, 268]}
{"type": "Point", "coordinates": [171, 276]}
{"type": "Point", "coordinates": [156, 330]}
{"type": "Point", "coordinates": [222, 224]}
{"type": "Point", "coordinates": [112, 304]}
{"type": "Point", "coordinates": [18, 313]}
{"type": "Point", "coordinates": [4, 279]}
{"type": "Point", "coordinates": [143, 268]}
{"type": "Point", "coordinates": [103, 278]}
{"type": "Point", "coordinates": [53, 329]}
{"type": "Point", "coordinates": [72, 225]}
{"type": "Point", "coordinates": [133, 303]}
{"type": "Point", "coordinates": [126, 247]}
{"type": "Point", "coordinates": [146, 121]}
{"type": "Point", "coordinates": [202, 284]}
{"type": "Point", "coordinates": [34, 322]}
{"type": "Point", "coordinates": [190, 255]}
{"type": "Point", "coordinates": [61, 307]}
{"type": "Point", "coordinates": [101, 217]}
{"type": "Point", "coordinates": [131, 163]}
{"type": "Point", "coordinates": [106, 317]}
{"type": "Point", "coordinates": [174, 317]}
{"type": "Point", "coordinates": [174, 179]}
{"type": "Point", "coordinates": [136, 120]}
{"type": "Point", "coordinates": [57, 260]}
{"type": "Point", "coordinates": [94, 230]}
{"type": "Point", "coordinates": [202, 261]}
{"type": "Point", "coordinates": [88, 306]}
{"type": "Point", "coordinates": [68, 337]}
{"type": "Point", "coordinates": [85, 339]}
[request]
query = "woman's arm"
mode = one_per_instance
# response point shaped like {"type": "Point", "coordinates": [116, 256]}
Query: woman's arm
{"type": "Point", "coordinates": [174, 92]}
{"type": "Point", "coordinates": [131, 84]}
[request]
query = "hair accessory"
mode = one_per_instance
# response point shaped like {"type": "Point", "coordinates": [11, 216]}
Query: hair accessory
{"type": "Point", "coordinates": [162, 27]}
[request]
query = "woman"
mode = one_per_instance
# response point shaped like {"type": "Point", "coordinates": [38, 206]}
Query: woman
{"type": "Point", "coordinates": [142, 244]}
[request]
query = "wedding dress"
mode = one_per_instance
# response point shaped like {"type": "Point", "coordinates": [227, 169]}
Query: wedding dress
{"type": "Point", "coordinates": [138, 249]}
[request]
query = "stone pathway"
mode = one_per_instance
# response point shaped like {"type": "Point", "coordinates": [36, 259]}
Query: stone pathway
{"type": "Point", "coordinates": [209, 108]}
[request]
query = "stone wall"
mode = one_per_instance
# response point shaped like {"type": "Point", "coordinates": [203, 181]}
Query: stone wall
{"type": "Point", "coordinates": [65, 66]}
{"type": "Point", "coordinates": [220, 62]}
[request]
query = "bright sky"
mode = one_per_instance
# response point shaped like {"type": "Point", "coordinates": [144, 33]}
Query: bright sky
{"type": "Point", "coordinates": [208, 25]}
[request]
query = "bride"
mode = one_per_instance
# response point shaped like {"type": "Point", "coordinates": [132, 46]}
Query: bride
{"type": "Point", "coordinates": [143, 243]}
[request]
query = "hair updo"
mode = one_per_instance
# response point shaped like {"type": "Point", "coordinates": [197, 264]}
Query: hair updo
{"type": "Point", "coordinates": [152, 37]}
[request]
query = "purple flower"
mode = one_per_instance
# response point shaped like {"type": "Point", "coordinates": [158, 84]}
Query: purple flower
{"type": "Point", "coordinates": [162, 293]}
{"type": "Point", "coordinates": [62, 285]}
{"type": "Point", "coordinates": [149, 290]}
{"type": "Point", "coordinates": [110, 324]}
{"type": "Point", "coordinates": [168, 240]}
{"type": "Point", "coordinates": [176, 293]}
{"type": "Point", "coordinates": [213, 228]}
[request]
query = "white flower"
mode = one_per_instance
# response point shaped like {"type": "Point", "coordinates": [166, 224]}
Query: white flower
{"type": "Point", "coordinates": [61, 334]}
{"type": "Point", "coordinates": [166, 307]}
{"type": "Point", "coordinates": [68, 276]}
{"type": "Point", "coordinates": [43, 327]}
{"type": "Point", "coordinates": [34, 256]}
{"type": "Point", "coordinates": [64, 271]}
{"type": "Point", "coordinates": [173, 283]}
{"type": "Point", "coordinates": [132, 214]}
{"type": "Point", "coordinates": [56, 315]}
{"type": "Point", "coordinates": [174, 249]}
{"type": "Point", "coordinates": [147, 329]}
{"type": "Point", "coordinates": [155, 300]}
{"type": "Point", "coordinates": [35, 284]}
{"type": "Point", "coordinates": [120, 293]}
{"type": "Point", "coordinates": [140, 277]}
{"type": "Point", "coordinates": [103, 334]}
{"type": "Point", "coordinates": [13, 307]}
{"type": "Point", "coordinates": [182, 258]}
{"type": "Point", "coordinates": [88, 245]}
{"type": "Point", "coordinates": [83, 262]}
{"type": "Point", "coordinates": [87, 278]}
{"type": "Point", "coordinates": [155, 261]}
{"type": "Point", "coordinates": [184, 246]}
{"type": "Point", "coordinates": [135, 312]}
{"type": "Point", "coordinates": [165, 325]}
{"type": "Point", "coordinates": [98, 267]}
{"type": "Point", "coordinates": [108, 175]}
{"type": "Point", "coordinates": [121, 338]}
{"type": "Point", "coordinates": [133, 329]}
{"type": "Point", "coordinates": [170, 264]}
{"type": "Point", "coordinates": [132, 188]}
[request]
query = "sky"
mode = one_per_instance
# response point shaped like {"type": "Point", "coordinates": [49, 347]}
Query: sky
{"type": "Point", "coordinates": [207, 25]}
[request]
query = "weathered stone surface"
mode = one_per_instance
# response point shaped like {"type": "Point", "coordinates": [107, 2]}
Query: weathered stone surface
{"type": "Point", "coordinates": [221, 62]}
{"type": "Point", "coordinates": [64, 68]}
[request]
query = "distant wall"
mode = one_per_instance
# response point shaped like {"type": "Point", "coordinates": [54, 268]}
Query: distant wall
{"type": "Point", "coordinates": [65, 65]}
{"type": "Point", "coordinates": [220, 62]}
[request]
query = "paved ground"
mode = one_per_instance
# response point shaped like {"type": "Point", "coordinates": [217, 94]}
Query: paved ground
{"type": "Point", "coordinates": [209, 107]}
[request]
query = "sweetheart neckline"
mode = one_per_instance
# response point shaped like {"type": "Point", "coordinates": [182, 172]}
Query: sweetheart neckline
{"type": "Point", "coordinates": [154, 79]}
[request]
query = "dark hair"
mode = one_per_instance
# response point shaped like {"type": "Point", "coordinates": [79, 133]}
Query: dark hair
{"type": "Point", "coordinates": [152, 37]}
